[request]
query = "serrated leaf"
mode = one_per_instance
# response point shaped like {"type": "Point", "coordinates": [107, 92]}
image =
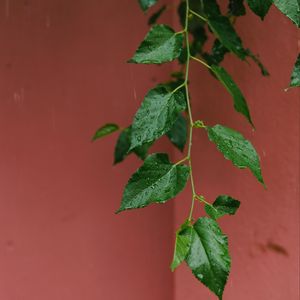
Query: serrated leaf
{"type": "Point", "coordinates": [240, 103]}
{"type": "Point", "coordinates": [160, 45]}
{"type": "Point", "coordinates": [291, 8]}
{"type": "Point", "coordinates": [223, 205]}
{"type": "Point", "coordinates": [225, 32]}
{"type": "Point", "coordinates": [146, 4]}
{"type": "Point", "coordinates": [182, 244]}
{"type": "Point", "coordinates": [123, 145]}
{"type": "Point", "coordinates": [156, 181]}
{"type": "Point", "coordinates": [236, 148]}
{"type": "Point", "coordinates": [157, 115]}
{"type": "Point", "coordinates": [178, 133]}
{"type": "Point", "coordinates": [260, 7]}
{"type": "Point", "coordinates": [155, 16]}
{"type": "Point", "coordinates": [105, 130]}
{"type": "Point", "coordinates": [236, 8]}
{"type": "Point", "coordinates": [295, 77]}
{"type": "Point", "coordinates": [208, 257]}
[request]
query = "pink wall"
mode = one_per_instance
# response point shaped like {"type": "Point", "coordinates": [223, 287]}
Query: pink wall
{"type": "Point", "coordinates": [63, 74]}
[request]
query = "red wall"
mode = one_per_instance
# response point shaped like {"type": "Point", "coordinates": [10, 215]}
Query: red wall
{"type": "Point", "coordinates": [62, 75]}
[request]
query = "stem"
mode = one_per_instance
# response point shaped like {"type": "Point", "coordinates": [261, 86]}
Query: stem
{"type": "Point", "coordinates": [197, 15]}
{"type": "Point", "coordinates": [201, 62]}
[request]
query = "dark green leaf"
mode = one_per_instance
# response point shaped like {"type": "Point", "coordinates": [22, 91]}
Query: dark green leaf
{"type": "Point", "coordinates": [155, 182]}
{"type": "Point", "coordinates": [123, 146]}
{"type": "Point", "coordinates": [160, 45]}
{"type": "Point", "coordinates": [152, 20]}
{"type": "Point", "coordinates": [225, 32]}
{"type": "Point", "coordinates": [217, 53]}
{"type": "Point", "coordinates": [178, 132]}
{"type": "Point", "coordinates": [224, 205]}
{"type": "Point", "coordinates": [236, 148]}
{"type": "Point", "coordinates": [240, 103]}
{"type": "Point", "coordinates": [105, 130]}
{"type": "Point", "coordinates": [263, 69]}
{"type": "Point", "coordinates": [291, 8]}
{"type": "Point", "coordinates": [236, 8]}
{"type": "Point", "coordinates": [182, 244]}
{"type": "Point", "coordinates": [146, 4]}
{"type": "Point", "coordinates": [157, 115]}
{"type": "Point", "coordinates": [208, 257]}
{"type": "Point", "coordinates": [211, 8]}
{"type": "Point", "coordinates": [260, 7]}
{"type": "Point", "coordinates": [295, 77]}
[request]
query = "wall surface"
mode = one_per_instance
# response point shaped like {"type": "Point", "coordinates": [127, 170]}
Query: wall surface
{"type": "Point", "coordinates": [62, 74]}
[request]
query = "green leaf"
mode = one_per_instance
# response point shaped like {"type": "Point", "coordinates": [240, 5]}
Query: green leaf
{"type": "Point", "coordinates": [208, 257]}
{"type": "Point", "coordinates": [211, 8]}
{"type": "Point", "coordinates": [105, 130]}
{"type": "Point", "coordinates": [263, 69]}
{"type": "Point", "coordinates": [217, 54]}
{"type": "Point", "coordinates": [156, 181]}
{"type": "Point", "coordinates": [178, 133]}
{"type": "Point", "coordinates": [224, 205]}
{"type": "Point", "coordinates": [182, 244]}
{"type": "Point", "coordinates": [225, 32]}
{"type": "Point", "coordinates": [291, 8]}
{"type": "Point", "coordinates": [236, 148]}
{"type": "Point", "coordinates": [240, 103]}
{"type": "Point", "coordinates": [146, 4]}
{"type": "Point", "coordinates": [157, 115]}
{"type": "Point", "coordinates": [123, 146]}
{"type": "Point", "coordinates": [260, 7]}
{"type": "Point", "coordinates": [152, 20]}
{"type": "Point", "coordinates": [295, 77]}
{"type": "Point", "coordinates": [160, 45]}
{"type": "Point", "coordinates": [236, 8]}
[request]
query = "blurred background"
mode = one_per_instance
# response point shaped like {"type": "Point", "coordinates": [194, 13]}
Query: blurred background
{"type": "Point", "coordinates": [63, 75]}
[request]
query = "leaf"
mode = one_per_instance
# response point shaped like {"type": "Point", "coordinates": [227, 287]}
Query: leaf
{"type": "Point", "coordinates": [263, 69]}
{"type": "Point", "coordinates": [208, 257]}
{"type": "Point", "coordinates": [178, 133]}
{"type": "Point", "coordinates": [224, 205]}
{"type": "Point", "coordinates": [157, 115]}
{"type": "Point", "coordinates": [123, 146]}
{"type": "Point", "coordinates": [146, 4]}
{"type": "Point", "coordinates": [105, 130]}
{"type": "Point", "coordinates": [182, 244]}
{"type": "Point", "coordinates": [291, 8]}
{"type": "Point", "coordinates": [152, 20]}
{"type": "Point", "coordinates": [240, 103]}
{"type": "Point", "coordinates": [225, 32]}
{"type": "Point", "coordinates": [217, 54]}
{"type": "Point", "coordinates": [236, 8]}
{"type": "Point", "coordinates": [156, 181]}
{"type": "Point", "coordinates": [211, 8]}
{"type": "Point", "coordinates": [236, 148]}
{"type": "Point", "coordinates": [160, 45]}
{"type": "Point", "coordinates": [295, 77]}
{"type": "Point", "coordinates": [260, 7]}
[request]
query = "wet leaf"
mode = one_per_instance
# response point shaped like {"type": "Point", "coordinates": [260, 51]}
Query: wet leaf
{"type": "Point", "coordinates": [105, 130]}
{"type": "Point", "coordinates": [295, 77]}
{"type": "Point", "coordinates": [156, 181]}
{"type": "Point", "coordinates": [260, 7]}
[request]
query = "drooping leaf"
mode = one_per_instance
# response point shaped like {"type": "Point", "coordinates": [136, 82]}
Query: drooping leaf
{"type": "Point", "coordinates": [223, 205]}
{"type": "Point", "coordinates": [236, 148]}
{"type": "Point", "coordinates": [123, 146]}
{"type": "Point", "coordinates": [157, 115]}
{"type": "Point", "coordinates": [105, 130]}
{"type": "Point", "coordinates": [178, 133]}
{"type": "Point", "coordinates": [155, 16]}
{"type": "Point", "coordinates": [236, 8]}
{"type": "Point", "coordinates": [291, 8]}
{"type": "Point", "coordinates": [208, 257]}
{"type": "Point", "coordinates": [263, 69]}
{"type": "Point", "coordinates": [146, 4]}
{"type": "Point", "coordinates": [182, 244]}
{"type": "Point", "coordinates": [160, 45]}
{"type": "Point", "coordinates": [156, 181]}
{"type": "Point", "coordinates": [295, 77]}
{"type": "Point", "coordinates": [217, 54]}
{"type": "Point", "coordinates": [225, 32]}
{"type": "Point", "coordinates": [240, 103]}
{"type": "Point", "coordinates": [260, 7]}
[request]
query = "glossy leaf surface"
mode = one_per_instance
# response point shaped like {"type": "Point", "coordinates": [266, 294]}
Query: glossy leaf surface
{"type": "Point", "coordinates": [236, 148]}
{"type": "Point", "coordinates": [105, 130]}
{"type": "Point", "coordinates": [156, 181]}
{"type": "Point", "coordinates": [160, 45]}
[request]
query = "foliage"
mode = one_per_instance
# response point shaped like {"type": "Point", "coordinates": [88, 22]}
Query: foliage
{"type": "Point", "coordinates": [166, 110]}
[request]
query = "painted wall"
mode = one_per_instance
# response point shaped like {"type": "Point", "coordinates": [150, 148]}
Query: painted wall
{"type": "Point", "coordinates": [62, 74]}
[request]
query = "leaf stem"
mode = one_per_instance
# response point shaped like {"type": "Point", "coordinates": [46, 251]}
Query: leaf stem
{"type": "Point", "coordinates": [197, 15]}
{"type": "Point", "coordinates": [201, 61]}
